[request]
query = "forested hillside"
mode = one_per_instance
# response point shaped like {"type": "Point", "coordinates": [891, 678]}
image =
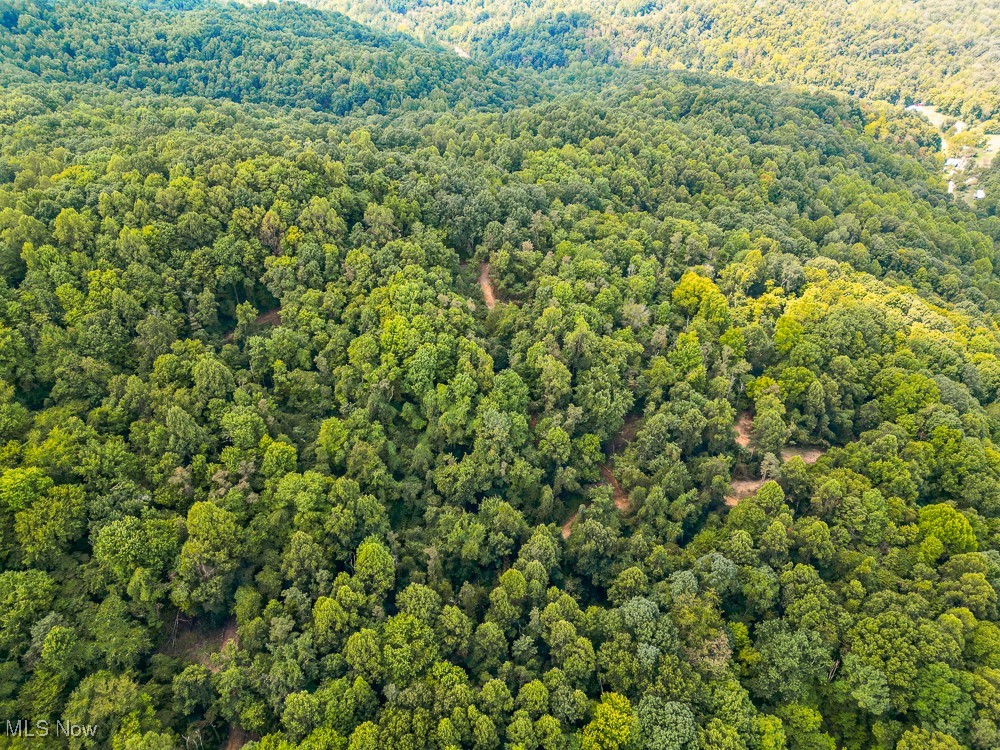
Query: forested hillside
{"type": "Point", "coordinates": [278, 54]}
{"type": "Point", "coordinates": [944, 51]}
{"type": "Point", "coordinates": [660, 415]}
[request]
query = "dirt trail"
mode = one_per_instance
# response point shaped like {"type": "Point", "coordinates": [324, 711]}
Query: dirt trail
{"type": "Point", "coordinates": [617, 493]}
{"type": "Point", "coordinates": [743, 488]}
{"type": "Point", "coordinates": [567, 528]}
{"type": "Point", "coordinates": [621, 499]}
{"type": "Point", "coordinates": [744, 428]}
{"type": "Point", "coordinates": [487, 286]}
{"type": "Point", "coordinates": [269, 318]}
{"type": "Point", "coordinates": [810, 454]}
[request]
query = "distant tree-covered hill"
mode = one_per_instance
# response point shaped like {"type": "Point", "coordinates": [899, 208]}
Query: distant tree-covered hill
{"type": "Point", "coordinates": [287, 55]}
{"type": "Point", "coordinates": [944, 51]}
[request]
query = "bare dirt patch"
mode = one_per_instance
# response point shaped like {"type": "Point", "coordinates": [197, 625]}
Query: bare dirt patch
{"type": "Point", "coordinates": [740, 489]}
{"type": "Point", "coordinates": [268, 318]}
{"type": "Point", "coordinates": [229, 634]}
{"type": "Point", "coordinates": [989, 152]}
{"type": "Point", "coordinates": [238, 737]}
{"type": "Point", "coordinates": [621, 499]}
{"type": "Point", "coordinates": [744, 429]}
{"type": "Point", "coordinates": [567, 528]}
{"type": "Point", "coordinates": [489, 294]}
{"type": "Point", "coordinates": [809, 454]}
{"type": "Point", "coordinates": [192, 642]}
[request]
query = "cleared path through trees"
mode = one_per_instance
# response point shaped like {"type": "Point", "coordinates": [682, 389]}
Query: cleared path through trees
{"type": "Point", "coordinates": [487, 286]}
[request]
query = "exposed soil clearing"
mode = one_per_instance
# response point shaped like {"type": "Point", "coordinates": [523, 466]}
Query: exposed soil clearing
{"type": "Point", "coordinates": [489, 295]}
{"type": "Point", "coordinates": [229, 634]}
{"type": "Point", "coordinates": [269, 318]}
{"type": "Point", "coordinates": [809, 454]}
{"type": "Point", "coordinates": [621, 499]}
{"type": "Point", "coordinates": [238, 737]}
{"type": "Point", "coordinates": [740, 489]}
{"type": "Point", "coordinates": [744, 429]}
{"type": "Point", "coordinates": [194, 643]}
{"type": "Point", "coordinates": [989, 152]}
{"type": "Point", "coordinates": [567, 528]}
{"type": "Point", "coordinates": [931, 114]}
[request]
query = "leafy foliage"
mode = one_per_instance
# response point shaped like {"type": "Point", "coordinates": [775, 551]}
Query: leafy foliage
{"type": "Point", "coordinates": [272, 470]}
{"type": "Point", "coordinates": [274, 54]}
{"type": "Point", "coordinates": [944, 51]}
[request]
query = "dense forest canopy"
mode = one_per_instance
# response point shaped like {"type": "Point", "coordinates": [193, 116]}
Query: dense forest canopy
{"type": "Point", "coordinates": [944, 51]}
{"type": "Point", "coordinates": [608, 410]}
{"type": "Point", "coordinates": [283, 54]}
